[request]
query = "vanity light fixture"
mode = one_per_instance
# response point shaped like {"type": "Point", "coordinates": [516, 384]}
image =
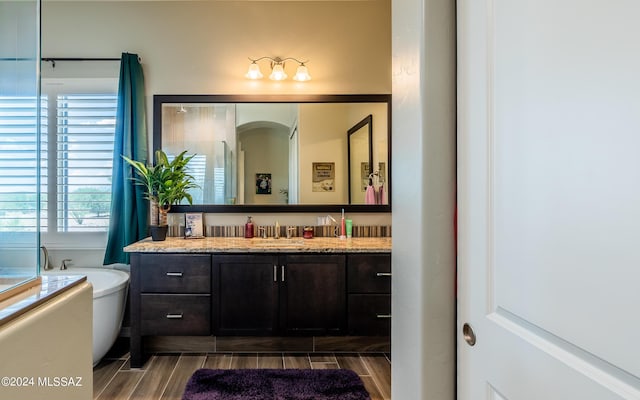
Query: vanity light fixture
{"type": "Point", "coordinates": [277, 69]}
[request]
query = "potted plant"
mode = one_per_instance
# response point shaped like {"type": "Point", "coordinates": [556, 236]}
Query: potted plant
{"type": "Point", "coordinates": [166, 183]}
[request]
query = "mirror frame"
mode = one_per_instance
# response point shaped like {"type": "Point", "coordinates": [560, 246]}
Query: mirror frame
{"type": "Point", "coordinates": [159, 100]}
{"type": "Point", "coordinates": [368, 122]}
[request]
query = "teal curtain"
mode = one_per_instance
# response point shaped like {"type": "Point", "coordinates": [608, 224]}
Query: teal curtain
{"type": "Point", "coordinates": [129, 210]}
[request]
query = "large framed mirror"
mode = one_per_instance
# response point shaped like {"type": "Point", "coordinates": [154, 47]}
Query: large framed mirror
{"type": "Point", "coordinates": [274, 153]}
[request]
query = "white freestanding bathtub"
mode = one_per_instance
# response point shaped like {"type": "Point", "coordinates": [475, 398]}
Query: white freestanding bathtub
{"type": "Point", "coordinates": [109, 298]}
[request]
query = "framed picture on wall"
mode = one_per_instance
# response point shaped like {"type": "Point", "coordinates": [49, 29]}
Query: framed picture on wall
{"type": "Point", "coordinates": [263, 183]}
{"type": "Point", "coordinates": [382, 172]}
{"type": "Point", "coordinates": [193, 225]}
{"type": "Point", "coordinates": [364, 176]}
{"type": "Point", "coordinates": [324, 177]}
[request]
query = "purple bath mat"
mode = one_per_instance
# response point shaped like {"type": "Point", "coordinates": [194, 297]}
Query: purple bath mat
{"type": "Point", "coordinates": [275, 384]}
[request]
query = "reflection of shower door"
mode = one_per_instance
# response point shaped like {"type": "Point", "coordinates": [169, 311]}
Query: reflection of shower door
{"type": "Point", "coordinates": [240, 176]}
{"type": "Point", "coordinates": [229, 188]}
{"type": "Point", "coordinates": [222, 173]}
{"type": "Point", "coordinates": [293, 166]}
{"type": "Point", "coordinates": [214, 174]}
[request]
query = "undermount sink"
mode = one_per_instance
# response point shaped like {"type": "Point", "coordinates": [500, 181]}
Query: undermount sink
{"type": "Point", "coordinates": [279, 242]}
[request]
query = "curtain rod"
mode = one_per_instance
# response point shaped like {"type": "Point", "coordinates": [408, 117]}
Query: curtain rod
{"type": "Point", "coordinates": [53, 60]}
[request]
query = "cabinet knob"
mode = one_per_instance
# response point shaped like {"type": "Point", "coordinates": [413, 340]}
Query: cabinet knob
{"type": "Point", "coordinates": [174, 316]}
{"type": "Point", "coordinates": [178, 274]}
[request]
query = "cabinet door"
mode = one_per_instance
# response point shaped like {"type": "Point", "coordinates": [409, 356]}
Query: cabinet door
{"type": "Point", "coordinates": [370, 314]}
{"type": "Point", "coordinates": [313, 294]}
{"type": "Point", "coordinates": [369, 273]}
{"type": "Point", "coordinates": [175, 315]}
{"type": "Point", "coordinates": [248, 294]}
{"type": "Point", "coordinates": [175, 273]}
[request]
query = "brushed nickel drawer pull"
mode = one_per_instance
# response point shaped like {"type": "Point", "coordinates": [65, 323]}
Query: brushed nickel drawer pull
{"type": "Point", "coordinates": [381, 316]}
{"type": "Point", "coordinates": [174, 316]}
{"type": "Point", "coordinates": [178, 274]}
{"type": "Point", "coordinates": [283, 273]}
{"type": "Point", "coordinates": [383, 273]}
{"type": "Point", "coordinates": [275, 273]}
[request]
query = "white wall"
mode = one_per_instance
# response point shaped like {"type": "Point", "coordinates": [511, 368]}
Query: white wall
{"type": "Point", "coordinates": [424, 153]}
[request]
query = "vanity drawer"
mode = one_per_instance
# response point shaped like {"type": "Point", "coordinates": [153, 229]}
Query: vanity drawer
{"type": "Point", "coordinates": [174, 273]}
{"type": "Point", "coordinates": [369, 314]}
{"type": "Point", "coordinates": [164, 314]}
{"type": "Point", "coordinates": [369, 273]}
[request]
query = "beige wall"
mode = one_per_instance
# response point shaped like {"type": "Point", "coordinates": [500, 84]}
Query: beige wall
{"type": "Point", "coordinates": [325, 140]}
{"type": "Point", "coordinates": [201, 47]}
{"type": "Point", "coordinates": [51, 341]}
{"type": "Point", "coordinates": [379, 135]}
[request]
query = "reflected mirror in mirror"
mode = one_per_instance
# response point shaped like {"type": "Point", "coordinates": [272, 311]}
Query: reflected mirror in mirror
{"type": "Point", "coordinates": [253, 151]}
{"type": "Point", "coordinates": [359, 148]}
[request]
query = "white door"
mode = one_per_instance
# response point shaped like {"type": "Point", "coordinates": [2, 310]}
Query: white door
{"type": "Point", "coordinates": [549, 199]}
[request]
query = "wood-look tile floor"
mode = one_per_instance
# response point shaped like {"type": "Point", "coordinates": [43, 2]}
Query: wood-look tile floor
{"type": "Point", "coordinates": [164, 376]}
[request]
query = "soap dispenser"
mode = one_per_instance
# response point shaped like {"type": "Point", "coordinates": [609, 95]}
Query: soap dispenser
{"type": "Point", "coordinates": [248, 228]}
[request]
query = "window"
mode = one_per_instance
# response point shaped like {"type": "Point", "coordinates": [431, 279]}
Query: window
{"type": "Point", "coordinates": [19, 163]}
{"type": "Point", "coordinates": [77, 155]}
{"type": "Point", "coordinates": [84, 155]}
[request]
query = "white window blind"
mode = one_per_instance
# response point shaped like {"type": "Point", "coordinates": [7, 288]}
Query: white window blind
{"type": "Point", "coordinates": [19, 163]}
{"type": "Point", "coordinates": [197, 168]}
{"type": "Point", "coordinates": [85, 135]}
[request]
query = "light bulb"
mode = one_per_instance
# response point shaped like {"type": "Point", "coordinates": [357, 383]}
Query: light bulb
{"type": "Point", "coordinates": [302, 74]}
{"type": "Point", "coordinates": [254, 71]}
{"type": "Point", "coordinates": [278, 73]}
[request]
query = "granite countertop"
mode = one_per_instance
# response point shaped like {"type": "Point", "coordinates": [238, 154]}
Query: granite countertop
{"type": "Point", "coordinates": [259, 245]}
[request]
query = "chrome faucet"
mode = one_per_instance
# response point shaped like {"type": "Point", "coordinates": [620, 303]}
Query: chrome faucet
{"type": "Point", "coordinates": [63, 266]}
{"type": "Point", "coordinates": [46, 265]}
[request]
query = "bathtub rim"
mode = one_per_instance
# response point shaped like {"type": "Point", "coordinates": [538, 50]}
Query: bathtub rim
{"type": "Point", "coordinates": [120, 284]}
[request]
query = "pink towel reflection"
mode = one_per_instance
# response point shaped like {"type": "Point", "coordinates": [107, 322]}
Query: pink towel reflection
{"type": "Point", "coordinates": [383, 195]}
{"type": "Point", "coordinates": [370, 195]}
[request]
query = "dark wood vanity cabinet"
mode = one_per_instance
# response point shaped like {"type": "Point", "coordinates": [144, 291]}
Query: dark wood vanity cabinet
{"type": "Point", "coordinates": [369, 298]}
{"type": "Point", "coordinates": [287, 294]}
{"type": "Point", "coordinates": [313, 294]}
{"type": "Point", "coordinates": [170, 295]}
{"type": "Point", "coordinates": [251, 294]}
{"type": "Point", "coordinates": [248, 300]}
